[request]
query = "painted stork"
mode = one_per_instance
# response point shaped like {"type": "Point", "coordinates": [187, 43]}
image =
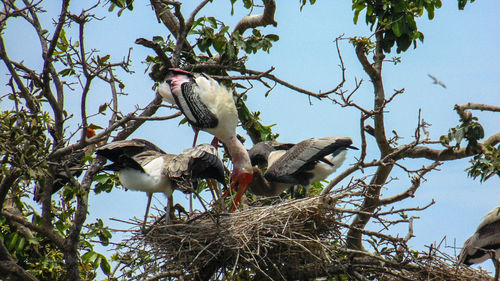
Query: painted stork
{"type": "Point", "coordinates": [484, 243]}
{"type": "Point", "coordinates": [143, 166]}
{"type": "Point", "coordinates": [290, 164]}
{"type": "Point", "coordinates": [209, 106]}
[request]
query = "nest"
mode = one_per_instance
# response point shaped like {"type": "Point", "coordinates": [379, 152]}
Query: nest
{"type": "Point", "coordinates": [296, 239]}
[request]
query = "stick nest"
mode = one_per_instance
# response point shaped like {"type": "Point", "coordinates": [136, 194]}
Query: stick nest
{"type": "Point", "coordinates": [295, 239]}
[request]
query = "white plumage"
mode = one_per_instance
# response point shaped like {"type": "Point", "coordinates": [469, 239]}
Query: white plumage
{"type": "Point", "coordinates": [209, 106]}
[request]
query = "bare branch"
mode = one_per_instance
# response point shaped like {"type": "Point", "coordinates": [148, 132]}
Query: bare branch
{"type": "Point", "coordinates": [447, 154]}
{"type": "Point", "coordinates": [478, 106]}
{"type": "Point", "coordinates": [410, 192]}
{"type": "Point", "coordinates": [254, 21]}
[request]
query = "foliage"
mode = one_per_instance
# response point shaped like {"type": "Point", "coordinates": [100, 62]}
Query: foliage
{"type": "Point", "coordinates": [470, 130]}
{"type": "Point", "coordinates": [486, 164]}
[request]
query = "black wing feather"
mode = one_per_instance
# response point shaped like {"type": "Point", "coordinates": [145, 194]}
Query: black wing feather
{"type": "Point", "coordinates": [204, 117]}
{"type": "Point", "coordinates": [295, 164]}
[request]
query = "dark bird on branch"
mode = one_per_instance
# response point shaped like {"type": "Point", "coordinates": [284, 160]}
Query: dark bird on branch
{"type": "Point", "coordinates": [436, 81]}
{"type": "Point", "coordinates": [484, 243]}
{"type": "Point", "coordinates": [291, 164]}
{"type": "Point", "coordinates": [210, 106]}
{"type": "Point", "coordinates": [143, 166]}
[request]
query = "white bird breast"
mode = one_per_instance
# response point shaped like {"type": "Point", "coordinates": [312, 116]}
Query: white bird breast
{"type": "Point", "coordinates": [152, 181]}
{"type": "Point", "coordinates": [322, 170]}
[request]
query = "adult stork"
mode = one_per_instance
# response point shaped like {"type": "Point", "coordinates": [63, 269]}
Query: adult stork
{"type": "Point", "coordinates": [209, 106]}
{"type": "Point", "coordinates": [291, 164]}
{"type": "Point", "coordinates": [143, 166]}
{"type": "Point", "coordinates": [484, 243]}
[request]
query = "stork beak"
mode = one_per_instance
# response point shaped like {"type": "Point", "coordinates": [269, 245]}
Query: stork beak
{"type": "Point", "coordinates": [242, 180]}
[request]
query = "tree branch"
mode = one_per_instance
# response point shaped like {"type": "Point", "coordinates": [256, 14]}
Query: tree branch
{"type": "Point", "coordinates": [254, 21]}
{"type": "Point", "coordinates": [43, 229]}
{"type": "Point", "coordinates": [410, 192]}
{"type": "Point", "coordinates": [9, 270]}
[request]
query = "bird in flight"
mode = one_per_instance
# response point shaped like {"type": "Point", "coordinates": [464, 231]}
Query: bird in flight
{"type": "Point", "coordinates": [436, 81]}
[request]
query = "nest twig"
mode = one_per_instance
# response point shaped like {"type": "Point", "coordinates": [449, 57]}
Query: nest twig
{"type": "Point", "coordinates": [296, 239]}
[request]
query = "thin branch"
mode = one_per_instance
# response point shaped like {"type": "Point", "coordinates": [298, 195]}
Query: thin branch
{"type": "Point", "coordinates": [410, 192]}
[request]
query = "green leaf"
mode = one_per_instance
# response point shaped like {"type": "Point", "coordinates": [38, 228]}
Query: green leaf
{"type": "Point", "coordinates": [272, 37]}
{"type": "Point", "coordinates": [90, 256]}
{"type": "Point", "coordinates": [219, 43]}
{"type": "Point", "coordinates": [158, 39]}
{"type": "Point", "coordinates": [183, 121]}
{"type": "Point", "coordinates": [105, 266]}
{"type": "Point", "coordinates": [396, 28]}
{"type": "Point", "coordinates": [247, 4]}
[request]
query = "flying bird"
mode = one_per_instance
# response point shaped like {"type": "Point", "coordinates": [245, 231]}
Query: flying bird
{"type": "Point", "coordinates": [210, 106]}
{"type": "Point", "coordinates": [436, 81]}
{"type": "Point", "coordinates": [143, 166]}
{"type": "Point", "coordinates": [484, 243]}
{"type": "Point", "coordinates": [291, 164]}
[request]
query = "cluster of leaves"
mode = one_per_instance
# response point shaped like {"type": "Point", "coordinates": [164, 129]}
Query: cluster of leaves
{"type": "Point", "coordinates": [33, 253]}
{"type": "Point", "coordinates": [24, 145]}
{"type": "Point", "coordinates": [396, 20]}
{"type": "Point", "coordinates": [134, 261]}
{"type": "Point", "coordinates": [214, 34]}
{"type": "Point", "coordinates": [122, 4]}
{"type": "Point", "coordinates": [251, 123]}
{"type": "Point", "coordinates": [485, 165]}
{"type": "Point", "coordinates": [93, 260]}
{"type": "Point", "coordinates": [470, 130]}
{"type": "Point", "coordinates": [65, 51]}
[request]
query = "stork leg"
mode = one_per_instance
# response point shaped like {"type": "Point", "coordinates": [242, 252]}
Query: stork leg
{"type": "Point", "coordinates": [150, 196]}
{"type": "Point", "coordinates": [496, 263]}
{"type": "Point", "coordinates": [167, 215]}
{"type": "Point", "coordinates": [195, 137]}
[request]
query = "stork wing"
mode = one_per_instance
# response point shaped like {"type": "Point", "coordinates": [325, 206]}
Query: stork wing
{"type": "Point", "coordinates": [130, 148]}
{"type": "Point", "coordinates": [200, 162]}
{"type": "Point", "coordinates": [302, 156]}
{"type": "Point", "coordinates": [193, 108]}
{"type": "Point", "coordinates": [487, 237]}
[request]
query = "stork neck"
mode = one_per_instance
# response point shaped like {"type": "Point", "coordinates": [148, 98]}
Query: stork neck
{"type": "Point", "coordinates": [239, 154]}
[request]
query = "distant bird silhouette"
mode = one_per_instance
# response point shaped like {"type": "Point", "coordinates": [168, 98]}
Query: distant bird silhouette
{"type": "Point", "coordinates": [209, 106]}
{"type": "Point", "coordinates": [291, 164]}
{"type": "Point", "coordinates": [484, 242]}
{"type": "Point", "coordinates": [143, 166]}
{"type": "Point", "coordinates": [436, 81]}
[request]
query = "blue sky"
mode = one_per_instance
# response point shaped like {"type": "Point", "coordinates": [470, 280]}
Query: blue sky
{"type": "Point", "coordinates": [461, 48]}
